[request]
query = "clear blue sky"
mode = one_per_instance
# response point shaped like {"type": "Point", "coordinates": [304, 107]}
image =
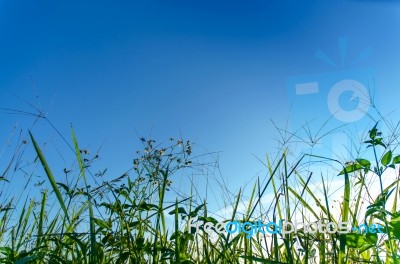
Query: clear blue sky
{"type": "Point", "coordinates": [214, 71]}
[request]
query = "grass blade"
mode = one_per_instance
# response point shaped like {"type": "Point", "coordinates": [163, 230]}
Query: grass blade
{"type": "Point", "coordinates": [49, 175]}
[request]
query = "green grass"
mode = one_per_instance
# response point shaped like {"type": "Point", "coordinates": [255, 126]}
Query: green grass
{"type": "Point", "coordinates": [140, 217]}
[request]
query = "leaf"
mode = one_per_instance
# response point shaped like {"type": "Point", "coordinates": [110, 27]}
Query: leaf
{"type": "Point", "coordinates": [395, 224]}
{"type": "Point", "coordinates": [6, 209]}
{"type": "Point", "coordinates": [379, 203]}
{"type": "Point", "coordinates": [101, 223]}
{"type": "Point", "coordinates": [396, 160]}
{"type": "Point", "coordinates": [196, 210]}
{"type": "Point", "coordinates": [65, 187]}
{"type": "Point", "coordinates": [386, 158]}
{"type": "Point", "coordinates": [93, 249]}
{"type": "Point", "coordinates": [375, 142]}
{"type": "Point", "coordinates": [49, 176]}
{"type": "Point", "coordinates": [372, 210]}
{"type": "Point", "coordinates": [140, 242]}
{"type": "Point", "coordinates": [373, 132]}
{"type": "Point", "coordinates": [371, 238]}
{"type": "Point", "coordinates": [355, 240]}
{"type": "Point", "coordinates": [147, 207]}
{"type": "Point", "coordinates": [351, 168]}
{"type": "Point", "coordinates": [175, 235]}
{"type": "Point", "coordinates": [2, 178]}
{"type": "Point", "coordinates": [369, 142]}
{"type": "Point", "coordinates": [378, 141]}
{"type": "Point", "coordinates": [363, 162]}
{"type": "Point", "coordinates": [208, 219]}
{"type": "Point", "coordinates": [361, 241]}
{"type": "Point", "coordinates": [181, 210]}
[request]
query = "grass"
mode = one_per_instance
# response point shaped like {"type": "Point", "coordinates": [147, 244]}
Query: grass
{"type": "Point", "coordinates": [140, 217]}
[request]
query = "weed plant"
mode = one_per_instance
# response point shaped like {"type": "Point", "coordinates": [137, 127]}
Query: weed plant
{"type": "Point", "coordinates": [126, 219]}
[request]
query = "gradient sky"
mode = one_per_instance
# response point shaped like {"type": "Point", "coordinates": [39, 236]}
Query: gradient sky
{"type": "Point", "coordinates": [215, 72]}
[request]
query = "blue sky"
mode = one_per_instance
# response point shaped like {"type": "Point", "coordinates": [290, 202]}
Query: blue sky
{"type": "Point", "coordinates": [215, 72]}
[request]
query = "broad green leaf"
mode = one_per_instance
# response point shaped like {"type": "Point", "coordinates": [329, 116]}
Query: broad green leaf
{"type": "Point", "coordinates": [355, 240]}
{"type": "Point", "coordinates": [371, 238]}
{"type": "Point", "coordinates": [396, 160]}
{"type": "Point", "coordinates": [351, 168]}
{"type": "Point", "coordinates": [363, 162]}
{"type": "Point", "coordinates": [386, 158]}
{"type": "Point", "coordinates": [395, 224]}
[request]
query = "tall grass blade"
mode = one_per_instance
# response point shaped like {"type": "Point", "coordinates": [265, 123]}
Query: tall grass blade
{"type": "Point", "coordinates": [49, 176]}
{"type": "Point", "coordinates": [93, 251]}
